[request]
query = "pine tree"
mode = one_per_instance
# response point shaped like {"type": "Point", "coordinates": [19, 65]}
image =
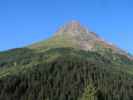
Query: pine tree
{"type": "Point", "coordinates": [89, 93]}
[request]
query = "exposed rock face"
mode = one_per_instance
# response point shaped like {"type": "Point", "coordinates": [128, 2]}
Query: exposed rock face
{"type": "Point", "coordinates": [78, 33]}
{"type": "Point", "coordinates": [75, 29]}
{"type": "Point", "coordinates": [84, 38]}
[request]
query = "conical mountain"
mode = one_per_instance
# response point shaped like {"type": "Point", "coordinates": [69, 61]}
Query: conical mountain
{"type": "Point", "coordinates": [75, 35]}
{"type": "Point", "coordinates": [74, 64]}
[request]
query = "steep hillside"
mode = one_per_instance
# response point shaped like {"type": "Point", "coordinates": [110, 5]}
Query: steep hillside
{"type": "Point", "coordinates": [64, 74]}
{"type": "Point", "coordinates": [74, 64]}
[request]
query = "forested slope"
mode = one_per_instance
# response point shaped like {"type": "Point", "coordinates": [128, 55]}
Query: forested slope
{"type": "Point", "coordinates": [65, 74]}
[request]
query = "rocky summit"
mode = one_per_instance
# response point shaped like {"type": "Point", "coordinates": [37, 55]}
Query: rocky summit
{"type": "Point", "coordinates": [74, 34]}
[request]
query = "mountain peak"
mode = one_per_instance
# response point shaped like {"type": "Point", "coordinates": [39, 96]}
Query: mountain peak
{"type": "Point", "coordinates": [73, 27]}
{"type": "Point", "coordinates": [74, 24]}
{"type": "Point", "coordinates": [75, 35]}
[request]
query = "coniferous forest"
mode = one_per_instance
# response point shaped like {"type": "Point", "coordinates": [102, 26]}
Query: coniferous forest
{"type": "Point", "coordinates": [65, 74]}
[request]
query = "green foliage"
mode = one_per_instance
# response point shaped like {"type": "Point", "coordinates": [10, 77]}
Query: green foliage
{"type": "Point", "coordinates": [89, 93]}
{"type": "Point", "coordinates": [108, 53]}
{"type": "Point", "coordinates": [64, 74]}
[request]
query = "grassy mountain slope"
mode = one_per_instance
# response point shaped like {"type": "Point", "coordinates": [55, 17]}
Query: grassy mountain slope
{"type": "Point", "coordinates": [75, 35]}
{"type": "Point", "coordinates": [54, 42]}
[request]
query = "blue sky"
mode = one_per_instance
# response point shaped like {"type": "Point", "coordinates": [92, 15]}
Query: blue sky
{"type": "Point", "coordinates": [23, 22]}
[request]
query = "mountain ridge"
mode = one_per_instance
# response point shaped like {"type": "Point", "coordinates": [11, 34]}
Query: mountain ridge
{"type": "Point", "coordinates": [73, 34]}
